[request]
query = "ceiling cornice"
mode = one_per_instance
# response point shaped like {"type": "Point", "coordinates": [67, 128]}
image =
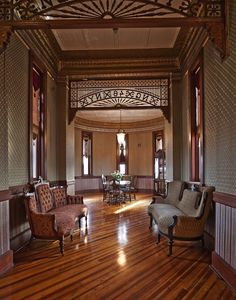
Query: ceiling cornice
{"type": "Point", "coordinates": [112, 127]}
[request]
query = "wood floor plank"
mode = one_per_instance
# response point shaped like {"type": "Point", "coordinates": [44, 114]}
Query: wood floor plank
{"type": "Point", "coordinates": [117, 258]}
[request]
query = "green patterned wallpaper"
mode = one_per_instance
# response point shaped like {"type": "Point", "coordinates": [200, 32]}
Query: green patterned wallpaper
{"type": "Point", "coordinates": [220, 114]}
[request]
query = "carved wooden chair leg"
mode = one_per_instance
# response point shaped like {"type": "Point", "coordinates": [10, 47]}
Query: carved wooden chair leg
{"type": "Point", "coordinates": [61, 242]}
{"type": "Point", "coordinates": [79, 221]}
{"type": "Point", "coordinates": [86, 221]}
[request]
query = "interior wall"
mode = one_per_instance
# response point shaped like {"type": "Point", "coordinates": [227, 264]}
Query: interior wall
{"type": "Point", "coordinates": [17, 78]}
{"type": "Point", "coordinates": [220, 114]}
{"type": "Point", "coordinates": [104, 153]}
{"type": "Point", "coordinates": [140, 153]}
{"type": "Point", "coordinates": [51, 130]}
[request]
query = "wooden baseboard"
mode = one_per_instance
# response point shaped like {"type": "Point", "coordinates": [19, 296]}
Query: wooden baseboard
{"type": "Point", "coordinates": [224, 270]}
{"type": "Point", "coordinates": [6, 261]}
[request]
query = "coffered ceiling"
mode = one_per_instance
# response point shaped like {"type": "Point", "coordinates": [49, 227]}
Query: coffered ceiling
{"type": "Point", "coordinates": [151, 33]}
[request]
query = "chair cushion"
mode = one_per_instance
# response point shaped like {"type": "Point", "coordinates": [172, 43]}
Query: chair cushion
{"type": "Point", "coordinates": [73, 210]}
{"type": "Point", "coordinates": [163, 215]}
{"type": "Point", "coordinates": [190, 202]}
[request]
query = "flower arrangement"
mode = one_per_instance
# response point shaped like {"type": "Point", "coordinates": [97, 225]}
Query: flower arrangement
{"type": "Point", "coordinates": [116, 175]}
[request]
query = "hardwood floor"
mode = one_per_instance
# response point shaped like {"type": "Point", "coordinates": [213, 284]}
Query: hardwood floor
{"type": "Point", "coordinates": [116, 259]}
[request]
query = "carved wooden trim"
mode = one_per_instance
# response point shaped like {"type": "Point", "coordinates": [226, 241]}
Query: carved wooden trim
{"type": "Point", "coordinates": [6, 261]}
{"type": "Point", "coordinates": [224, 270]}
{"type": "Point", "coordinates": [218, 37]}
{"type": "Point", "coordinates": [225, 199]}
{"type": "Point", "coordinates": [5, 32]}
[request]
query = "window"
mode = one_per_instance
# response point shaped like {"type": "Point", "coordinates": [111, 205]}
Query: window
{"type": "Point", "coordinates": [86, 153]}
{"type": "Point", "coordinates": [38, 125]}
{"type": "Point", "coordinates": [196, 123]}
{"type": "Point", "coordinates": [159, 155]}
{"type": "Point", "coordinates": [122, 156]}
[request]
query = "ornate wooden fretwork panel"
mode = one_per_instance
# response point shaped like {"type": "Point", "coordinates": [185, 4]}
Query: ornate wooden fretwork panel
{"type": "Point", "coordinates": [111, 94]}
{"type": "Point", "coordinates": [107, 9]}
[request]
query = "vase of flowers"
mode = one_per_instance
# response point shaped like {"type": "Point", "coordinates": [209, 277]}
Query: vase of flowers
{"type": "Point", "coordinates": [116, 175]}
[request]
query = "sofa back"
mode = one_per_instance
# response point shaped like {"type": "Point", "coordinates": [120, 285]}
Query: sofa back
{"type": "Point", "coordinates": [174, 192]}
{"type": "Point", "coordinates": [59, 196]}
{"type": "Point", "coordinates": [44, 197]}
{"type": "Point", "coordinates": [196, 203]}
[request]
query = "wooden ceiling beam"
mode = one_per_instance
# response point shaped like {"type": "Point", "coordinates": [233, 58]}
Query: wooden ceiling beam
{"type": "Point", "coordinates": [112, 23]}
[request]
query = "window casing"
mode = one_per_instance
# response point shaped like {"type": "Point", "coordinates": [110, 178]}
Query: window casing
{"type": "Point", "coordinates": [122, 156]}
{"type": "Point", "coordinates": [86, 153]}
{"type": "Point", "coordinates": [197, 172]}
{"type": "Point", "coordinates": [159, 165]}
{"type": "Point", "coordinates": [37, 133]}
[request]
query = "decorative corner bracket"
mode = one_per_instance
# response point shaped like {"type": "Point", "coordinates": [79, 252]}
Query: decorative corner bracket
{"type": "Point", "coordinates": [5, 32]}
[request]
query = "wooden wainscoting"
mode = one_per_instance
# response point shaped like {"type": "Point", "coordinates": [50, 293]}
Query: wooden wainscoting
{"type": "Point", "coordinates": [224, 256]}
{"type": "Point", "coordinates": [94, 184]}
{"type": "Point", "coordinates": [6, 256]}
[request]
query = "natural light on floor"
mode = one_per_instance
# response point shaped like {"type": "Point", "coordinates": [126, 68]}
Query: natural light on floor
{"type": "Point", "coordinates": [130, 206]}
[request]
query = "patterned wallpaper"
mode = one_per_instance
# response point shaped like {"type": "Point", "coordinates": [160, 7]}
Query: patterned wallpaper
{"type": "Point", "coordinates": [220, 114]}
{"type": "Point", "coordinates": [17, 76]}
{"type": "Point", "coordinates": [3, 130]}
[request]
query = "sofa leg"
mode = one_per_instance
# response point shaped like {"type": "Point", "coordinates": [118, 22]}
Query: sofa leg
{"type": "Point", "coordinates": [151, 221]}
{"type": "Point", "coordinates": [86, 221]}
{"type": "Point", "coordinates": [71, 235]}
{"type": "Point", "coordinates": [158, 238]}
{"type": "Point", "coordinates": [61, 242]}
{"type": "Point", "coordinates": [170, 244]}
{"type": "Point", "coordinates": [203, 242]}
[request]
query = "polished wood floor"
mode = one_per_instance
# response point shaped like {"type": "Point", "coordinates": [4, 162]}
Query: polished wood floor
{"type": "Point", "coordinates": [116, 259]}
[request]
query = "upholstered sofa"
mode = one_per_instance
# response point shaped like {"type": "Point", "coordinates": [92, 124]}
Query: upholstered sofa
{"type": "Point", "coordinates": [182, 214]}
{"type": "Point", "coordinates": [52, 214]}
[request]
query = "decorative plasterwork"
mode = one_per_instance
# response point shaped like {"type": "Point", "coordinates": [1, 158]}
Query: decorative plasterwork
{"type": "Point", "coordinates": [116, 94]}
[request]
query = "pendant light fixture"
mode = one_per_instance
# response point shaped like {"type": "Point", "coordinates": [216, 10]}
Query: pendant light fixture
{"type": "Point", "coordinates": [121, 134]}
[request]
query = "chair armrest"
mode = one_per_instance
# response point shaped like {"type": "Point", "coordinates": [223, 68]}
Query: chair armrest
{"type": "Point", "coordinates": [43, 224]}
{"type": "Point", "coordinates": [157, 199]}
{"type": "Point", "coordinates": [186, 226]}
{"type": "Point", "coordinates": [74, 199]}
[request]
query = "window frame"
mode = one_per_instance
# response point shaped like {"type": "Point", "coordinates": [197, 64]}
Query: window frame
{"type": "Point", "coordinates": [197, 133]}
{"type": "Point", "coordinates": [41, 136]}
{"type": "Point", "coordinates": [126, 154]}
{"type": "Point", "coordinates": [90, 160]}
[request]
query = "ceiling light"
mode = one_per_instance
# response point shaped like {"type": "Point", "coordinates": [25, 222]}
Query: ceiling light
{"type": "Point", "coordinates": [121, 134]}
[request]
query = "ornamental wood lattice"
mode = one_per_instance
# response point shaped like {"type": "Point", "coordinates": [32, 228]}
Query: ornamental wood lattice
{"type": "Point", "coordinates": [105, 9]}
{"type": "Point", "coordinates": [113, 94]}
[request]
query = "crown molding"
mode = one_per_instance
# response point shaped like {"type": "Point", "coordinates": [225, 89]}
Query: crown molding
{"type": "Point", "coordinates": [113, 127]}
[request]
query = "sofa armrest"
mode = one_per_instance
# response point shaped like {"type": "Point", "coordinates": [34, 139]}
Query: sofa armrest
{"type": "Point", "coordinates": [75, 199]}
{"type": "Point", "coordinates": [186, 226]}
{"type": "Point", "coordinates": [43, 224]}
